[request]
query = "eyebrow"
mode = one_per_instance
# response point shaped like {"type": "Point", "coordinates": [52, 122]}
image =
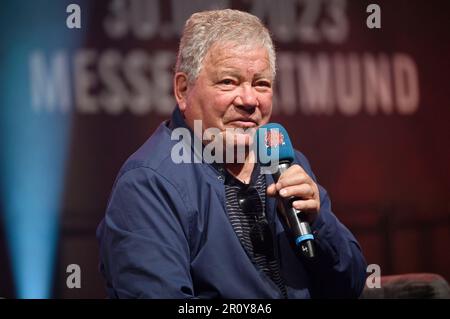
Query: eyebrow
{"type": "Point", "coordinates": [236, 73]}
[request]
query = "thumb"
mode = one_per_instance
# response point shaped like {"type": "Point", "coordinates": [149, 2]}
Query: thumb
{"type": "Point", "coordinates": [271, 190]}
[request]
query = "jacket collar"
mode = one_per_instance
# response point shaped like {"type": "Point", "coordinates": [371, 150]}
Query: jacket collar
{"type": "Point", "coordinates": [177, 121]}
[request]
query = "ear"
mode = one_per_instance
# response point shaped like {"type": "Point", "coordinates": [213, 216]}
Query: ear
{"type": "Point", "coordinates": [180, 87]}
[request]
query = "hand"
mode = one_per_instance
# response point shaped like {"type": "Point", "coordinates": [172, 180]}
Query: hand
{"type": "Point", "coordinates": [296, 182]}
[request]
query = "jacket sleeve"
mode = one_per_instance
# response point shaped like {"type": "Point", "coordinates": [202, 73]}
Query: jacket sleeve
{"type": "Point", "coordinates": [144, 248]}
{"type": "Point", "coordinates": [339, 271]}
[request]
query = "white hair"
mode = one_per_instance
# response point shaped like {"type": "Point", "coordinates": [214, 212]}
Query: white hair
{"type": "Point", "coordinates": [204, 29]}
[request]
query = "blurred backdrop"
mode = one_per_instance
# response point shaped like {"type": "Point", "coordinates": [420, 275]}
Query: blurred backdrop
{"type": "Point", "coordinates": [370, 108]}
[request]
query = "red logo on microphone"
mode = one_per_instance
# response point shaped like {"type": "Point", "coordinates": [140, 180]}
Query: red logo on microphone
{"type": "Point", "coordinates": [274, 138]}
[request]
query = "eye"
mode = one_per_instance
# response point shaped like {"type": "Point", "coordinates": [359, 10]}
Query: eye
{"type": "Point", "coordinates": [263, 83]}
{"type": "Point", "coordinates": [227, 82]}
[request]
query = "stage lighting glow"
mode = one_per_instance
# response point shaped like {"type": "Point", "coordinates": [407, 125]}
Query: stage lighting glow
{"type": "Point", "coordinates": [34, 144]}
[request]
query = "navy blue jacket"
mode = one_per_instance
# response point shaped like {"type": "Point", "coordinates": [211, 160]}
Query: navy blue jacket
{"type": "Point", "coordinates": [166, 234]}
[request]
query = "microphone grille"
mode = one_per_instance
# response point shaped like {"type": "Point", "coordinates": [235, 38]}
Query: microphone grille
{"type": "Point", "coordinates": [273, 144]}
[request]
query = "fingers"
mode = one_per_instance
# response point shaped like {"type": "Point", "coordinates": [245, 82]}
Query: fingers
{"type": "Point", "coordinates": [272, 190]}
{"type": "Point", "coordinates": [295, 175]}
{"type": "Point", "coordinates": [306, 205]}
{"type": "Point", "coordinates": [304, 191]}
{"type": "Point", "coordinates": [296, 182]}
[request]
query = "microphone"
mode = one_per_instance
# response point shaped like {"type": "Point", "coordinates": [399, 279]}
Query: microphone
{"type": "Point", "coordinates": [275, 152]}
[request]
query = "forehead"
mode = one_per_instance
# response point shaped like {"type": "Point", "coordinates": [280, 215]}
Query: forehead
{"type": "Point", "coordinates": [232, 58]}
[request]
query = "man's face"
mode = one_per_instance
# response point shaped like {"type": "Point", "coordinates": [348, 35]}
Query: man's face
{"type": "Point", "coordinates": [233, 90]}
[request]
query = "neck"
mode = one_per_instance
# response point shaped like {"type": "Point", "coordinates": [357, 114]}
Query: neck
{"type": "Point", "coordinates": [242, 171]}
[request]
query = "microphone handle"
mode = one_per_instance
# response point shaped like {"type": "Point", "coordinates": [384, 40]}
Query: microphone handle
{"type": "Point", "coordinates": [299, 228]}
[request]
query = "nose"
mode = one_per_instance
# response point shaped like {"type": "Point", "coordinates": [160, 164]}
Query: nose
{"type": "Point", "coordinates": [247, 98]}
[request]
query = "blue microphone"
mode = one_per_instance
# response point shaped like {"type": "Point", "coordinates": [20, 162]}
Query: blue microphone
{"type": "Point", "coordinates": [274, 151]}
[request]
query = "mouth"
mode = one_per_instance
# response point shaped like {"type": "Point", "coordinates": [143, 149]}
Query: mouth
{"type": "Point", "coordinates": [244, 123]}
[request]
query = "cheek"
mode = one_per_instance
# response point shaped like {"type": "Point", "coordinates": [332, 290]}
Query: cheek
{"type": "Point", "coordinates": [265, 104]}
{"type": "Point", "coordinates": [214, 108]}
{"type": "Point", "coordinates": [222, 102]}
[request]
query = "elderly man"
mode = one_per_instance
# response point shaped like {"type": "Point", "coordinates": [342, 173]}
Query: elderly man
{"type": "Point", "coordinates": [197, 229]}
